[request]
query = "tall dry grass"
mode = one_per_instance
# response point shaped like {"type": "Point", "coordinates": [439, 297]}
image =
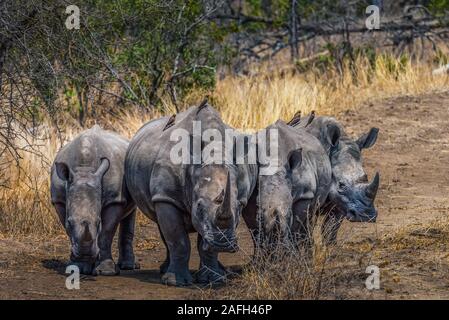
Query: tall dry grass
{"type": "Point", "coordinates": [284, 269]}
{"type": "Point", "coordinates": [244, 102]}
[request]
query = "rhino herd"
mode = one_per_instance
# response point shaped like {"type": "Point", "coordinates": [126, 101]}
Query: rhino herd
{"type": "Point", "coordinates": [99, 179]}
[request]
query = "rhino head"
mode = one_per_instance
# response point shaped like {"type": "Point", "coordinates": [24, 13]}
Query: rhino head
{"type": "Point", "coordinates": [275, 198]}
{"type": "Point", "coordinates": [351, 193]}
{"type": "Point", "coordinates": [215, 206]}
{"type": "Point", "coordinates": [83, 208]}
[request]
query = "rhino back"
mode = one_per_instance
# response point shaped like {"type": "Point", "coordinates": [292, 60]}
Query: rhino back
{"type": "Point", "coordinates": [150, 174]}
{"type": "Point", "coordinates": [86, 150]}
{"type": "Point", "coordinates": [140, 160]}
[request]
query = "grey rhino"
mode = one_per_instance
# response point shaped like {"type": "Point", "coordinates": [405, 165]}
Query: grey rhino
{"type": "Point", "coordinates": [351, 195]}
{"type": "Point", "coordinates": [285, 200]}
{"type": "Point", "coordinates": [181, 198]}
{"type": "Point", "coordinates": [90, 198]}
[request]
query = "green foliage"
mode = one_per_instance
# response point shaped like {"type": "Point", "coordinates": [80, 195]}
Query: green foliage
{"type": "Point", "coordinates": [144, 46]}
{"type": "Point", "coordinates": [438, 6]}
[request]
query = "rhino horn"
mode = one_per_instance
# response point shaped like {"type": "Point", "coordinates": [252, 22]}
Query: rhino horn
{"type": "Point", "coordinates": [226, 205]}
{"type": "Point", "coordinates": [371, 189]}
{"type": "Point", "coordinates": [86, 234]}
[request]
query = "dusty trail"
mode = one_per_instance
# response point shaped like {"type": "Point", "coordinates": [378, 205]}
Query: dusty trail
{"type": "Point", "coordinates": [412, 155]}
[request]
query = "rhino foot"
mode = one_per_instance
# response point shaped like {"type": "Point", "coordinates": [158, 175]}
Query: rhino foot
{"type": "Point", "coordinates": [106, 268]}
{"type": "Point", "coordinates": [164, 266]}
{"type": "Point", "coordinates": [128, 265]}
{"type": "Point", "coordinates": [207, 275]}
{"type": "Point", "coordinates": [180, 279]}
{"type": "Point", "coordinates": [84, 267]}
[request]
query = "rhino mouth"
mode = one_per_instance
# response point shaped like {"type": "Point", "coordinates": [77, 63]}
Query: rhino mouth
{"type": "Point", "coordinates": [220, 243]}
{"type": "Point", "coordinates": [84, 253]}
{"type": "Point", "coordinates": [354, 216]}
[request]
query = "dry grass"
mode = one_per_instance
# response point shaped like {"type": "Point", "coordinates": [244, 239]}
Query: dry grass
{"type": "Point", "coordinates": [288, 271]}
{"type": "Point", "coordinates": [244, 102]}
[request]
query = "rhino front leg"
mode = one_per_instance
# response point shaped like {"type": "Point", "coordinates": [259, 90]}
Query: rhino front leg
{"type": "Point", "coordinates": [302, 219]}
{"type": "Point", "coordinates": [110, 218]}
{"type": "Point", "coordinates": [171, 224]}
{"type": "Point", "coordinates": [127, 260]}
{"type": "Point", "coordinates": [211, 270]}
{"type": "Point", "coordinates": [164, 266]}
{"type": "Point", "coordinates": [331, 225]}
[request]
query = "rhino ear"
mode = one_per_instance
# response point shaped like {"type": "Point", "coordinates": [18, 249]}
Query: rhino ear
{"type": "Point", "coordinates": [333, 134]}
{"type": "Point", "coordinates": [295, 159]}
{"type": "Point", "coordinates": [63, 171]}
{"type": "Point", "coordinates": [367, 140]}
{"type": "Point", "coordinates": [103, 168]}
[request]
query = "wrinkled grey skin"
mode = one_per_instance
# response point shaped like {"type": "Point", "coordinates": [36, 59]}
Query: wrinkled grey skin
{"type": "Point", "coordinates": [285, 200]}
{"type": "Point", "coordinates": [182, 198]}
{"type": "Point", "coordinates": [351, 195]}
{"type": "Point", "coordinates": [90, 198]}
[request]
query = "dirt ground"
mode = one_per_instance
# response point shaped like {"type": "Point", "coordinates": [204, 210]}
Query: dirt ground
{"type": "Point", "coordinates": [409, 242]}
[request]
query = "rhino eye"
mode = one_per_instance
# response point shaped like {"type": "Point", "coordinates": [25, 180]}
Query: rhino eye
{"type": "Point", "coordinates": [341, 186]}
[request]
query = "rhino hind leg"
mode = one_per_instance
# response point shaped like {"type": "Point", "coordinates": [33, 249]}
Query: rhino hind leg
{"type": "Point", "coordinates": [171, 224]}
{"type": "Point", "coordinates": [127, 260]}
{"type": "Point", "coordinates": [110, 218]}
{"type": "Point", "coordinates": [210, 270]}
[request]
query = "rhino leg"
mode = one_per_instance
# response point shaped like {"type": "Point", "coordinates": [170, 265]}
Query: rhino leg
{"type": "Point", "coordinates": [249, 214]}
{"type": "Point", "coordinates": [302, 218]}
{"type": "Point", "coordinates": [171, 224]}
{"type": "Point", "coordinates": [330, 227]}
{"type": "Point", "coordinates": [110, 218]}
{"type": "Point", "coordinates": [211, 270]}
{"type": "Point", "coordinates": [127, 259]}
{"type": "Point", "coordinates": [164, 266]}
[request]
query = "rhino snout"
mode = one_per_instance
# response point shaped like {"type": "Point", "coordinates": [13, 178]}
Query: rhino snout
{"type": "Point", "coordinates": [84, 240]}
{"type": "Point", "coordinates": [220, 241]}
{"type": "Point", "coordinates": [369, 216]}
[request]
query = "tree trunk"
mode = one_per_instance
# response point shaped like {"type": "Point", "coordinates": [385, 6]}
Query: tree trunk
{"type": "Point", "coordinates": [294, 23]}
